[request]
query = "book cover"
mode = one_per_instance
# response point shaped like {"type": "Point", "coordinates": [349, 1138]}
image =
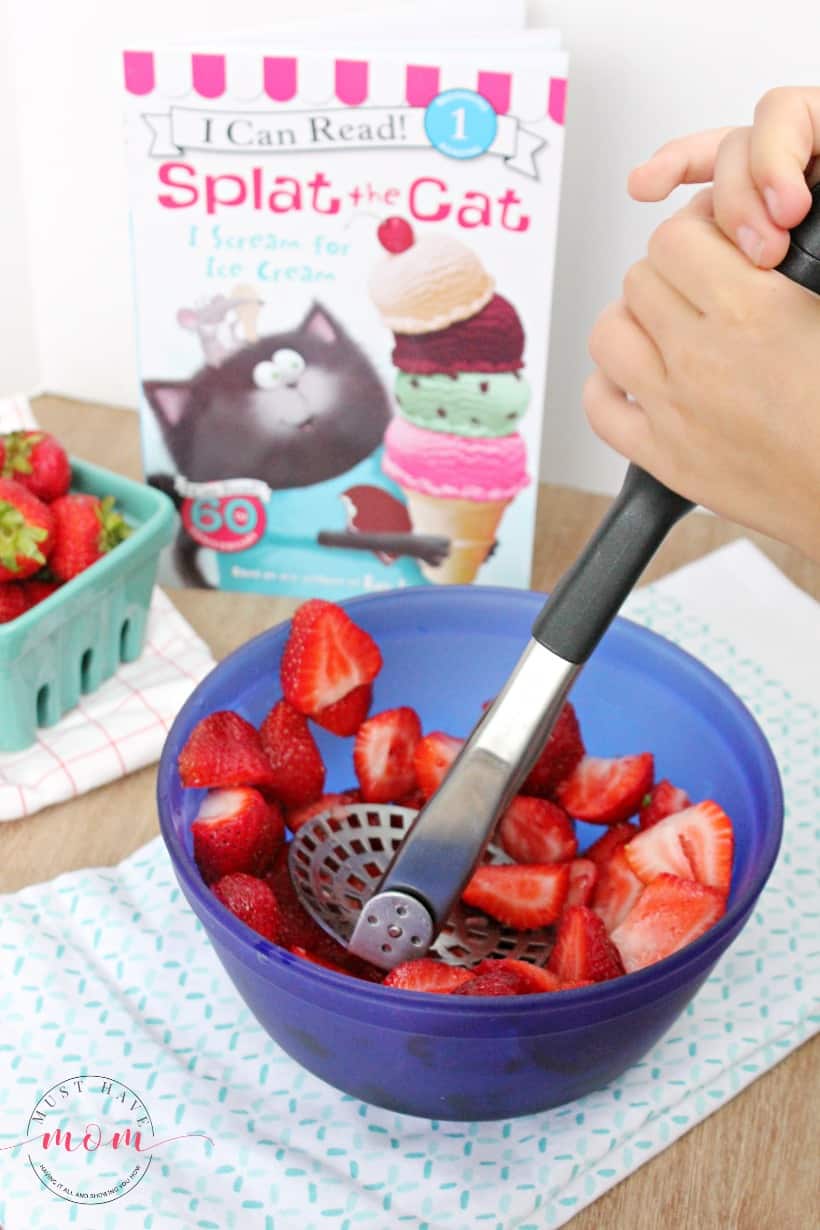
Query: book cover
{"type": "Point", "coordinates": [343, 271]}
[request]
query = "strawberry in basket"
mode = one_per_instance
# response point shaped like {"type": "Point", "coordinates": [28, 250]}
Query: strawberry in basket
{"type": "Point", "coordinates": [38, 462]}
{"type": "Point", "coordinates": [86, 528]}
{"type": "Point", "coordinates": [26, 532]}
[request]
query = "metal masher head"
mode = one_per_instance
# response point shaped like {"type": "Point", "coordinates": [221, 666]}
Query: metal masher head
{"type": "Point", "coordinates": [338, 859]}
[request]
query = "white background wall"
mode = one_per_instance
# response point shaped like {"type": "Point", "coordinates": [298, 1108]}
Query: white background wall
{"type": "Point", "coordinates": [641, 71]}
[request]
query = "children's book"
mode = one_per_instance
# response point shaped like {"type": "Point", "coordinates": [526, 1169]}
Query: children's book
{"type": "Point", "coordinates": [343, 260]}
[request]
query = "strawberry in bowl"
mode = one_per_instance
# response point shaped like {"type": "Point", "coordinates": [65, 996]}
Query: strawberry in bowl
{"type": "Point", "coordinates": [636, 923]}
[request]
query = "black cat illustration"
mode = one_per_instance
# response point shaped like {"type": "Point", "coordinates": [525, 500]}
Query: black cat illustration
{"type": "Point", "coordinates": [293, 410]}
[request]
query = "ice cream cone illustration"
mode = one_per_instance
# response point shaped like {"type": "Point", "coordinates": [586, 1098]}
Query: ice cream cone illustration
{"type": "Point", "coordinates": [453, 447]}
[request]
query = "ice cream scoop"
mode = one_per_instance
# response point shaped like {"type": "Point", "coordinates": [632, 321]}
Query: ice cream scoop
{"type": "Point", "coordinates": [430, 284]}
{"type": "Point", "coordinates": [441, 464]}
{"type": "Point", "coordinates": [464, 403]}
{"type": "Point", "coordinates": [490, 341]}
{"type": "Point", "coordinates": [457, 488]}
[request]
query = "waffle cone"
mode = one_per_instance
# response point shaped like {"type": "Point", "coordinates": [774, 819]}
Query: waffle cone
{"type": "Point", "coordinates": [470, 525]}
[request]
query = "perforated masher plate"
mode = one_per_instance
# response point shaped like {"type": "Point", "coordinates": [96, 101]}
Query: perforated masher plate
{"type": "Point", "coordinates": [338, 858]}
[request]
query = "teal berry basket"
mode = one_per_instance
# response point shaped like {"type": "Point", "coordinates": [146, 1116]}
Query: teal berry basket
{"type": "Point", "coordinates": [74, 640]}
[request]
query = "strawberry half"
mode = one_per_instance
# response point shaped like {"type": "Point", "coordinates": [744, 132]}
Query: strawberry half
{"type": "Point", "coordinates": [517, 895]}
{"type": "Point", "coordinates": [669, 914]}
{"type": "Point", "coordinates": [38, 462]}
{"type": "Point", "coordinates": [708, 842]}
{"type": "Point", "coordinates": [224, 749]}
{"type": "Point", "coordinates": [326, 656]}
{"type": "Point", "coordinates": [663, 800]}
{"type": "Point", "coordinates": [694, 844]}
{"type": "Point", "coordinates": [427, 974]}
{"type": "Point", "coordinates": [252, 901]}
{"type": "Point", "coordinates": [383, 754]}
{"type": "Point", "coordinates": [345, 716]}
{"type": "Point", "coordinates": [583, 876]}
{"type": "Point", "coordinates": [583, 950]}
{"type": "Point", "coordinates": [562, 752]}
{"type": "Point", "coordinates": [602, 850]}
{"type": "Point", "coordinates": [606, 791]}
{"type": "Point", "coordinates": [297, 816]}
{"type": "Point", "coordinates": [295, 761]}
{"type": "Point", "coordinates": [236, 830]}
{"type": "Point", "coordinates": [26, 532]}
{"type": "Point", "coordinates": [617, 890]}
{"type": "Point", "coordinates": [537, 831]}
{"type": "Point", "coordinates": [433, 756]}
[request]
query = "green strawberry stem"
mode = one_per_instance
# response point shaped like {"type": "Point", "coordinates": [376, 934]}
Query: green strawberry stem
{"type": "Point", "coordinates": [114, 528]}
{"type": "Point", "coordinates": [19, 446]}
{"type": "Point", "coordinates": [18, 538]}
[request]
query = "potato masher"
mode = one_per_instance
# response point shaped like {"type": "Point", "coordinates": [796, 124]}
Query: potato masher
{"type": "Point", "coordinates": [386, 880]}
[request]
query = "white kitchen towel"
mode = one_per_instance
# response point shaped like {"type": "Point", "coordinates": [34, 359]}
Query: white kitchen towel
{"type": "Point", "coordinates": [108, 972]}
{"type": "Point", "coordinates": [122, 725]}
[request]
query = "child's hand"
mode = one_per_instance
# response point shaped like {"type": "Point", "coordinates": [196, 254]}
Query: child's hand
{"type": "Point", "coordinates": [721, 359]}
{"type": "Point", "coordinates": [759, 173]}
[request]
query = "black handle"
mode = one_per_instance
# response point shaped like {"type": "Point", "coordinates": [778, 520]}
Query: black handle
{"type": "Point", "coordinates": [427, 547]}
{"type": "Point", "coordinates": [588, 597]}
{"type": "Point", "coordinates": [802, 261]}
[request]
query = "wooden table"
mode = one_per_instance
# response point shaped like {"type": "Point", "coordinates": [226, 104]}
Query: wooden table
{"type": "Point", "coordinates": [754, 1165]}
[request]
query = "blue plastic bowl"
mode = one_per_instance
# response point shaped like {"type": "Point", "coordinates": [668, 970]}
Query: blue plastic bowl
{"type": "Point", "coordinates": [445, 652]}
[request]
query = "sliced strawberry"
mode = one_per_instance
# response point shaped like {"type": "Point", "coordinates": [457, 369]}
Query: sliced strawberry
{"type": "Point", "coordinates": [602, 850]}
{"type": "Point", "coordinates": [663, 800]}
{"type": "Point", "coordinates": [326, 656]}
{"type": "Point", "coordinates": [295, 761]}
{"type": "Point", "coordinates": [669, 914]}
{"type": "Point", "coordinates": [606, 791]}
{"type": "Point", "coordinates": [535, 977]}
{"type": "Point", "coordinates": [434, 755]}
{"type": "Point", "coordinates": [562, 752]}
{"type": "Point", "coordinates": [345, 716]}
{"type": "Point", "coordinates": [537, 831]}
{"type": "Point", "coordinates": [236, 830]}
{"type": "Point", "coordinates": [252, 901]}
{"type": "Point", "coordinates": [520, 896]}
{"type": "Point", "coordinates": [575, 984]}
{"type": "Point", "coordinates": [617, 890]}
{"type": "Point", "coordinates": [297, 816]}
{"type": "Point", "coordinates": [427, 974]}
{"type": "Point", "coordinates": [694, 844]}
{"type": "Point", "coordinates": [657, 849]}
{"type": "Point", "coordinates": [583, 876]}
{"type": "Point", "coordinates": [224, 750]}
{"type": "Point", "coordinates": [383, 754]}
{"type": "Point", "coordinates": [500, 981]}
{"type": "Point", "coordinates": [583, 950]}
{"type": "Point", "coordinates": [708, 842]}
